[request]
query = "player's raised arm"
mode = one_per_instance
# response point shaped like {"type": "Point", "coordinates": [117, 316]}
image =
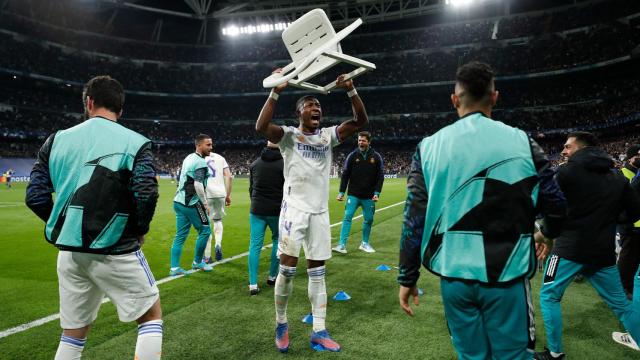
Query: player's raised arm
{"type": "Point", "coordinates": [360, 117]}
{"type": "Point", "coordinates": [264, 126]}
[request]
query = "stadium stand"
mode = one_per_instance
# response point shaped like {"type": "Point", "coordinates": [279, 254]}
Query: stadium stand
{"type": "Point", "coordinates": [588, 82]}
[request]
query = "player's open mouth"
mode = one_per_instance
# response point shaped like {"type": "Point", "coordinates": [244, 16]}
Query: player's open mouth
{"type": "Point", "coordinates": [315, 117]}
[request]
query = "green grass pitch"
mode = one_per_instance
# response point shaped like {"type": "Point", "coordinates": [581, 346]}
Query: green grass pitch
{"type": "Point", "coordinates": [211, 316]}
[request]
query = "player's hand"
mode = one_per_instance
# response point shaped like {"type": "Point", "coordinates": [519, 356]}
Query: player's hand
{"type": "Point", "coordinates": [340, 197]}
{"type": "Point", "coordinates": [227, 200]}
{"type": "Point", "coordinates": [278, 89]}
{"type": "Point", "coordinates": [541, 251]}
{"type": "Point", "coordinates": [543, 245]}
{"type": "Point", "coordinates": [375, 198]}
{"type": "Point", "coordinates": [341, 83]}
{"type": "Point", "coordinates": [404, 294]}
{"type": "Point", "coordinates": [207, 209]}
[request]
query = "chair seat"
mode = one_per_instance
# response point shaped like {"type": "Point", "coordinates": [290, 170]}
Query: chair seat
{"type": "Point", "coordinates": [314, 47]}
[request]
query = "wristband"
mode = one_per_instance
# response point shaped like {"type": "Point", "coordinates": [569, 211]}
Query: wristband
{"type": "Point", "coordinates": [352, 93]}
{"type": "Point", "coordinates": [274, 95]}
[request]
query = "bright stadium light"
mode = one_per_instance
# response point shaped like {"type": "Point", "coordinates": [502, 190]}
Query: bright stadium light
{"type": "Point", "coordinates": [233, 30]}
{"type": "Point", "coordinates": [459, 3]}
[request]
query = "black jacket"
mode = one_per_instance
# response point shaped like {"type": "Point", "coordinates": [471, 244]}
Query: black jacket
{"type": "Point", "coordinates": [597, 194]}
{"type": "Point", "coordinates": [266, 180]}
{"type": "Point", "coordinates": [364, 172]}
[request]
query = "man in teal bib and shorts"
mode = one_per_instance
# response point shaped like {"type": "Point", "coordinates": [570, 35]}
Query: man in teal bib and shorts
{"type": "Point", "coordinates": [190, 205]}
{"type": "Point", "coordinates": [474, 190]}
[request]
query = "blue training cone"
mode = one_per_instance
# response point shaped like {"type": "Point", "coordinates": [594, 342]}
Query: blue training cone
{"type": "Point", "coordinates": [383, 267]}
{"type": "Point", "coordinates": [308, 319]}
{"type": "Point", "coordinates": [341, 296]}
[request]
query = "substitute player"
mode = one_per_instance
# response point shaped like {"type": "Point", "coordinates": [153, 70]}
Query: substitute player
{"type": "Point", "coordinates": [472, 223]}
{"type": "Point", "coordinates": [191, 208]}
{"type": "Point", "coordinates": [304, 217]}
{"type": "Point", "coordinates": [106, 193]}
{"type": "Point", "coordinates": [218, 196]}
{"type": "Point", "coordinates": [363, 171]}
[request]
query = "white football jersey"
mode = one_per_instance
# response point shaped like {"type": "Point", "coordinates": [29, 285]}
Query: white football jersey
{"type": "Point", "coordinates": [215, 183]}
{"type": "Point", "coordinates": [307, 162]}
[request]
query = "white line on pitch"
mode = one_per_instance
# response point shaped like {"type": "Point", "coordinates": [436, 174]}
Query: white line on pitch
{"type": "Point", "coordinates": [44, 320]}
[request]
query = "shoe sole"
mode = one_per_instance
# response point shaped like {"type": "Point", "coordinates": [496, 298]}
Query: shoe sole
{"type": "Point", "coordinates": [184, 272]}
{"type": "Point", "coordinates": [340, 251]}
{"type": "Point", "coordinates": [320, 347]}
{"type": "Point", "coordinates": [624, 343]}
{"type": "Point", "coordinates": [204, 270]}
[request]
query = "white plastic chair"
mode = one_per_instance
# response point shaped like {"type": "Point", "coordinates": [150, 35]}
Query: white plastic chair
{"type": "Point", "coordinates": [314, 47]}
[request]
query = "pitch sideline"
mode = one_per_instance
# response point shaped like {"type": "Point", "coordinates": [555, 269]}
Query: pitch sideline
{"type": "Point", "coordinates": [46, 319]}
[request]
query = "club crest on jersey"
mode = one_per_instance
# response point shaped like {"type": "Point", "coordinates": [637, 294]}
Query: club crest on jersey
{"type": "Point", "coordinates": [301, 138]}
{"type": "Point", "coordinates": [357, 159]}
{"type": "Point", "coordinates": [325, 138]}
{"type": "Point", "coordinates": [372, 160]}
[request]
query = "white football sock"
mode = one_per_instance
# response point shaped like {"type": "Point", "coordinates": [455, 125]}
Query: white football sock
{"type": "Point", "coordinates": [70, 348]}
{"type": "Point", "coordinates": [207, 249]}
{"type": "Point", "coordinates": [318, 297]}
{"type": "Point", "coordinates": [217, 231]}
{"type": "Point", "coordinates": [282, 291]}
{"type": "Point", "coordinates": [149, 344]}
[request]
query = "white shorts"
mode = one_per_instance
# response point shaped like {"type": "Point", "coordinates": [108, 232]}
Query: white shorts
{"type": "Point", "coordinates": [84, 279]}
{"type": "Point", "coordinates": [311, 231]}
{"type": "Point", "coordinates": [217, 208]}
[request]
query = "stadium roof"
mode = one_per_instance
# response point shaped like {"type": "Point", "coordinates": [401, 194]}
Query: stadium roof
{"type": "Point", "coordinates": [201, 21]}
{"type": "Point", "coordinates": [284, 10]}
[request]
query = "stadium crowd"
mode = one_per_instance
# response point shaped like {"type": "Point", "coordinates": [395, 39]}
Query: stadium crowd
{"type": "Point", "coordinates": [88, 37]}
{"type": "Point", "coordinates": [596, 99]}
{"type": "Point", "coordinates": [21, 120]}
{"type": "Point", "coordinates": [596, 44]}
{"type": "Point", "coordinates": [239, 143]}
{"type": "Point", "coordinates": [602, 99]}
{"type": "Point", "coordinates": [608, 83]}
